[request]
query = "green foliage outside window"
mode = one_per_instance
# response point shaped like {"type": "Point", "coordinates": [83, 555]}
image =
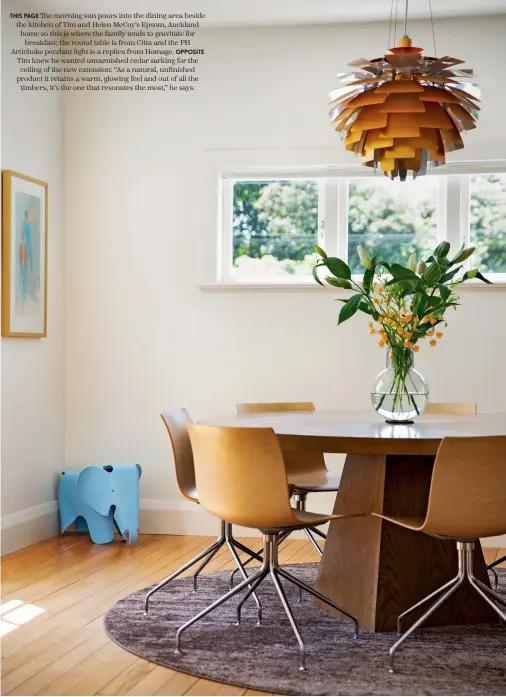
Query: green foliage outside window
{"type": "Point", "coordinates": [275, 223]}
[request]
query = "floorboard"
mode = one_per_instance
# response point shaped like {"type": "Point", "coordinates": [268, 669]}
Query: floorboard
{"type": "Point", "coordinates": [72, 583]}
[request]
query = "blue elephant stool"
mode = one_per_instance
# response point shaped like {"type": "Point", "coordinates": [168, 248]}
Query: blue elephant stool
{"type": "Point", "coordinates": [98, 499]}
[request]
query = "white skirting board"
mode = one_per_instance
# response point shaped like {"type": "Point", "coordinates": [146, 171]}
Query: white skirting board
{"type": "Point", "coordinates": [185, 518]}
{"type": "Point", "coordinates": [158, 516]}
{"type": "Point", "coordinates": [27, 527]}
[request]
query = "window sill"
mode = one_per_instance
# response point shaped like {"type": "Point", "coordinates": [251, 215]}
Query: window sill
{"type": "Point", "coordinates": [311, 286]}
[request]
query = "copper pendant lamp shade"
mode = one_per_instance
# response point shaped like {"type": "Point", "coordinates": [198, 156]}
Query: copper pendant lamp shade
{"type": "Point", "coordinates": [405, 111]}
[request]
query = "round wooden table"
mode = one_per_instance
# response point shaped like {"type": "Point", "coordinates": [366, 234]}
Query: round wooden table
{"type": "Point", "coordinates": [373, 568]}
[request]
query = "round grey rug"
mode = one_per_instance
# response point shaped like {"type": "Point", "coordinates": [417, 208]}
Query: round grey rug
{"type": "Point", "coordinates": [444, 661]}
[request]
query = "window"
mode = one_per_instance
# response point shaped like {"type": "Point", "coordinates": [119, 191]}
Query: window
{"type": "Point", "coordinates": [392, 219]}
{"type": "Point", "coordinates": [487, 221]}
{"type": "Point", "coordinates": [271, 224]}
{"type": "Point", "coordinates": [275, 228]}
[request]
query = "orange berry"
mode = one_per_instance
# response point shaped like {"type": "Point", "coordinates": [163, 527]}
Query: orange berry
{"type": "Point", "coordinates": [416, 349]}
{"type": "Point", "coordinates": [433, 321]}
{"type": "Point", "coordinates": [433, 342]}
{"type": "Point", "coordinates": [380, 290]}
{"type": "Point", "coordinates": [381, 343]}
{"type": "Point", "coordinates": [372, 331]}
{"type": "Point", "coordinates": [400, 331]}
{"type": "Point", "coordinates": [430, 332]}
{"type": "Point", "coordinates": [408, 344]}
{"type": "Point", "coordinates": [439, 335]}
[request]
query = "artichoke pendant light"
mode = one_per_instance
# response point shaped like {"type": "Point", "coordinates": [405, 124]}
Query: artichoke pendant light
{"type": "Point", "coordinates": [403, 112]}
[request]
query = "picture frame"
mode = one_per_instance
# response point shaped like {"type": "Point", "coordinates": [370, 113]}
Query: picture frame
{"type": "Point", "coordinates": [24, 255]}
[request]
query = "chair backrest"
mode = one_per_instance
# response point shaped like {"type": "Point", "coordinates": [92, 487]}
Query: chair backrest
{"type": "Point", "coordinates": [266, 407]}
{"type": "Point", "coordinates": [467, 497]}
{"type": "Point", "coordinates": [241, 475]}
{"type": "Point", "coordinates": [297, 463]}
{"type": "Point", "coordinates": [450, 408]}
{"type": "Point", "coordinates": [177, 421]}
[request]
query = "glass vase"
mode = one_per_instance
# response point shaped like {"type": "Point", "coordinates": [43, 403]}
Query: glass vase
{"type": "Point", "coordinates": [399, 392]}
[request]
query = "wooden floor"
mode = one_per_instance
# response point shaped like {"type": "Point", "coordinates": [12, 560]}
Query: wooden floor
{"type": "Point", "coordinates": [54, 596]}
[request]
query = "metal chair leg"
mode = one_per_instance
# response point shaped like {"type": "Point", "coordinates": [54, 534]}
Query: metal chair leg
{"type": "Point", "coordinates": [465, 558]}
{"type": "Point", "coordinates": [421, 620]}
{"type": "Point", "coordinates": [244, 575]}
{"type": "Point", "coordinates": [309, 533]}
{"type": "Point", "coordinates": [209, 550]}
{"type": "Point", "coordinates": [496, 563]}
{"type": "Point", "coordinates": [424, 602]}
{"type": "Point", "coordinates": [495, 575]}
{"type": "Point", "coordinates": [237, 589]}
{"type": "Point", "coordinates": [254, 555]}
{"type": "Point", "coordinates": [290, 616]}
{"type": "Point", "coordinates": [204, 564]}
{"type": "Point", "coordinates": [320, 596]}
{"type": "Point", "coordinates": [251, 589]}
{"type": "Point", "coordinates": [318, 532]}
{"type": "Point", "coordinates": [491, 593]}
{"type": "Point", "coordinates": [486, 597]}
{"type": "Point", "coordinates": [491, 567]}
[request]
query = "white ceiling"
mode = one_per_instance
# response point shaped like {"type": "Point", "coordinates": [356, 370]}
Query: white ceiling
{"type": "Point", "coordinates": [250, 13]}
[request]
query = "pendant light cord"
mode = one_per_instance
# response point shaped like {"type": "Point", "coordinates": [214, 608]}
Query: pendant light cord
{"type": "Point", "coordinates": [432, 25]}
{"type": "Point", "coordinates": [406, 19]}
{"type": "Point", "coordinates": [390, 25]}
{"type": "Point", "coordinates": [395, 24]}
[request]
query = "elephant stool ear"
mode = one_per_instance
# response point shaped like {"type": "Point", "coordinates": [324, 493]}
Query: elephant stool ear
{"type": "Point", "coordinates": [140, 470]}
{"type": "Point", "coordinates": [94, 487]}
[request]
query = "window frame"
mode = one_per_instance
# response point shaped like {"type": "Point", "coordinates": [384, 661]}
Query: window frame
{"type": "Point", "coordinates": [453, 214]}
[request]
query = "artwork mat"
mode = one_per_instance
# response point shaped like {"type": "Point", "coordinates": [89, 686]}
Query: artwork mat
{"type": "Point", "coordinates": [9, 178]}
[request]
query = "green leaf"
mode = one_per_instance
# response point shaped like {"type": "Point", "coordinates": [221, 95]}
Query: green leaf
{"type": "Point", "coordinates": [385, 265]}
{"type": "Point", "coordinates": [432, 274]}
{"type": "Point", "coordinates": [448, 276]}
{"type": "Point", "coordinates": [454, 260]}
{"type": "Point", "coordinates": [369, 310]}
{"type": "Point", "coordinates": [315, 274]}
{"type": "Point", "coordinates": [442, 249]}
{"type": "Point", "coordinates": [349, 308]}
{"type": "Point", "coordinates": [320, 251]}
{"type": "Point", "coordinates": [444, 291]}
{"type": "Point", "coordinates": [368, 279]}
{"type": "Point", "coordinates": [419, 304]}
{"type": "Point", "coordinates": [401, 272]}
{"type": "Point", "coordinates": [338, 282]}
{"type": "Point", "coordinates": [338, 267]}
{"type": "Point", "coordinates": [482, 278]}
{"type": "Point", "coordinates": [462, 256]}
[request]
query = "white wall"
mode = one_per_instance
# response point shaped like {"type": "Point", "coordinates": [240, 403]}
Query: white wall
{"type": "Point", "coordinates": [33, 369]}
{"type": "Point", "coordinates": [140, 207]}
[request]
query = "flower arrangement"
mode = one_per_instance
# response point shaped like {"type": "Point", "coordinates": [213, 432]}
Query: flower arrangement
{"type": "Point", "coordinates": [406, 304]}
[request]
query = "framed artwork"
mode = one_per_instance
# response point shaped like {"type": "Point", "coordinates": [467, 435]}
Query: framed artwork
{"type": "Point", "coordinates": [24, 256]}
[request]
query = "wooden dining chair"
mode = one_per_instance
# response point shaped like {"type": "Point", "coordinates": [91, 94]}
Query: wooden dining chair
{"type": "Point", "coordinates": [450, 408]}
{"type": "Point", "coordinates": [306, 471]}
{"type": "Point", "coordinates": [467, 500]}
{"type": "Point", "coordinates": [241, 477]}
{"type": "Point", "coordinates": [463, 408]}
{"type": "Point", "coordinates": [177, 421]}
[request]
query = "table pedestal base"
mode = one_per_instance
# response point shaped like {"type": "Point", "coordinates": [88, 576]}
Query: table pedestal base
{"type": "Point", "coordinates": [377, 570]}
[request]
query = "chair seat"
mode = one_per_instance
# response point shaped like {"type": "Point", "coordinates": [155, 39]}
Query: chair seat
{"type": "Point", "coordinates": [305, 519]}
{"type": "Point", "coordinates": [314, 481]}
{"type": "Point", "coordinates": [411, 522]}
